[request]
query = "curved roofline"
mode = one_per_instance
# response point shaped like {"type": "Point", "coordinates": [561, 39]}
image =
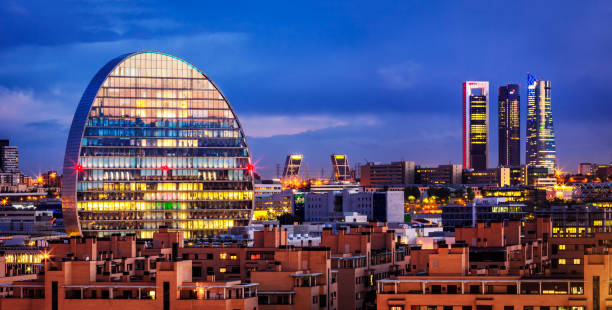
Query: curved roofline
{"type": "Point", "coordinates": [77, 129]}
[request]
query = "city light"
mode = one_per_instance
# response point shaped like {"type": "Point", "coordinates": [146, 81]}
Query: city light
{"type": "Point", "coordinates": [460, 192]}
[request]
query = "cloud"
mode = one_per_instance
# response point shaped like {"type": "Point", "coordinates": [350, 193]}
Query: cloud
{"type": "Point", "coordinates": [264, 126]}
{"type": "Point", "coordinates": [19, 106]}
{"type": "Point", "coordinates": [399, 76]}
{"type": "Point", "coordinates": [46, 124]}
{"type": "Point", "coordinates": [427, 139]}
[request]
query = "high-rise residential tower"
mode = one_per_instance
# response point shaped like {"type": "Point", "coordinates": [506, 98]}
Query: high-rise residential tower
{"type": "Point", "coordinates": [155, 143]}
{"type": "Point", "coordinates": [475, 125]}
{"type": "Point", "coordinates": [540, 144]}
{"type": "Point", "coordinates": [509, 114]}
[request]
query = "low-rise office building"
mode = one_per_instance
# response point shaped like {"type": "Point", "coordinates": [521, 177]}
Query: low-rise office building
{"type": "Point", "coordinates": [376, 174]}
{"type": "Point", "coordinates": [443, 174]}
{"type": "Point", "coordinates": [481, 210]}
{"type": "Point", "coordinates": [270, 206]}
{"type": "Point", "coordinates": [377, 206]}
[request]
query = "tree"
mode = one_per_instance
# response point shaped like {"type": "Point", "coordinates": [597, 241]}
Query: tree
{"type": "Point", "coordinates": [442, 193]}
{"type": "Point", "coordinates": [411, 191]}
{"type": "Point", "coordinates": [288, 219]}
{"type": "Point", "coordinates": [470, 194]}
{"type": "Point", "coordinates": [459, 193]}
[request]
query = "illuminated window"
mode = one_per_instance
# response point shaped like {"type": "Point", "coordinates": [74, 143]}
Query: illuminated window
{"type": "Point", "coordinates": [576, 261]}
{"type": "Point", "coordinates": [562, 261]}
{"type": "Point", "coordinates": [158, 102]}
{"type": "Point", "coordinates": [233, 257]}
{"type": "Point", "coordinates": [223, 256]}
{"type": "Point", "coordinates": [222, 270]}
{"type": "Point", "coordinates": [597, 223]}
{"type": "Point", "coordinates": [562, 247]}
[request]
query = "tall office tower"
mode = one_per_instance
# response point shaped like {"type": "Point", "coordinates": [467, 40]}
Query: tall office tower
{"type": "Point", "coordinates": [340, 164]}
{"type": "Point", "coordinates": [292, 166]}
{"type": "Point", "coordinates": [540, 149]}
{"type": "Point", "coordinates": [509, 125]}
{"type": "Point", "coordinates": [9, 157]}
{"type": "Point", "coordinates": [155, 143]}
{"type": "Point", "coordinates": [475, 125]}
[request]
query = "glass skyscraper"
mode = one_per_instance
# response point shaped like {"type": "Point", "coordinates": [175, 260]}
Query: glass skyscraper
{"type": "Point", "coordinates": [509, 115]}
{"type": "Point", "coordinates": [475, 125]}
{"type": "Point", "coordinates": [540, 149]}
{"type": "Point", "coordinates": [155, 143]}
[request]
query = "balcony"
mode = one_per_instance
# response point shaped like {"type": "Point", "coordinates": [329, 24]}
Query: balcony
{"type": "Point", "coordinates": [481, 286]}
{"type": "Point", "coordinates": [217, 291]}
{"type": "Point", "coordinates": [110, 291]}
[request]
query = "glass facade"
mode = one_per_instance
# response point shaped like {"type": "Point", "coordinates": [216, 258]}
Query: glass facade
{"type": "Point", "coordinates": [540, 148]}
{"type": "Point", "coordinates": [155, 143]}
{"type": "Point", "coordinates": [340, 165]}
{"type": "Point", "coordinates": [509, 125]}
{"type": "Point", "coordinates": [475, 125]}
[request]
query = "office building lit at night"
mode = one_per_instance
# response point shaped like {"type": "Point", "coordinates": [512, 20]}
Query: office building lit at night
{"type": "Point", "coordinates": [155, 143]}
{"type": "Point", "coordinates": [509, 114]}
{"type": "Point", "coordinates": [340, 165]}
{"type": "Point", "coordinates": [540, 144]}
{"type": "Point", "coordinates": [293, 163]}
{"type": "Point", "coordinates": [475, 125]}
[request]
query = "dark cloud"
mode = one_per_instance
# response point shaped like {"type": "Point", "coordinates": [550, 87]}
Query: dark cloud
{"type": "Point", "coordinates": [326, 63]}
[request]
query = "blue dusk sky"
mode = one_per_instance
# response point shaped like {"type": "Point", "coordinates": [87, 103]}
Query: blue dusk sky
{"type": "Point", "coordinates": [379, 81]}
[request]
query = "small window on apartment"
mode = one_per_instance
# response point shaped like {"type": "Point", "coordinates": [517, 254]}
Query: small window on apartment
{"type": "Point", "coordinates": [396, 308]}
{"type": "Point", "coordinates": [576, 261]}
{"type": "Point", "coordinates": [508, 307]}
{"type": "Point", "coordinates": [561, 261]}
{"type": "Point", "coordinates": [561, 247]}
{"type": "Point", "coordinates": [222, 255]}
{"type": "Point", "coordinates": [222, 270]}
{"type": "Point", "coordinates": [233, 256]}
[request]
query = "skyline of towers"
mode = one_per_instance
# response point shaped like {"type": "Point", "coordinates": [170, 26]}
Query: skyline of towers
{"type": "Point", "coordinates": [476, 125]}
{"type": "Point", "coordinates": [509, 125]}
{"type": "Point", "coordinates": [540, 147]}
{"type": "Point", "coordinates": [155, 143]}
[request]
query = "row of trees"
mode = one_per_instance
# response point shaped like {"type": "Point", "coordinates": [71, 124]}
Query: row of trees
{"type": "Point", "coordinates": [441, 194]}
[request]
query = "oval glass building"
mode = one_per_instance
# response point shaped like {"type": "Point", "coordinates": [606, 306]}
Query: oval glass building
{"type": "Point", "coordinates": [155, 143]}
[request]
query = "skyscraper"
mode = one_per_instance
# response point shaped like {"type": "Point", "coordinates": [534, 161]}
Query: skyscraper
{"type": "Point", "coordinates": [540, 148]}
{"type": "Point", "coordinates": [509, 114]}
{"type": "Point", "coordinates": [9, 157]}
{"type": "Point", "coordinates": [340, 165]}
{"type": "Point", "coordinates": [155, 143]}
{"type": "Point", "coordinates": [292, 166]}
{"type": "Point", "coordinates": [475, 125]}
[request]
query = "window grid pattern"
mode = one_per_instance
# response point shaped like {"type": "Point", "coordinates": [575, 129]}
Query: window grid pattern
{"type": "Point", "coordinates": [161, 147]}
